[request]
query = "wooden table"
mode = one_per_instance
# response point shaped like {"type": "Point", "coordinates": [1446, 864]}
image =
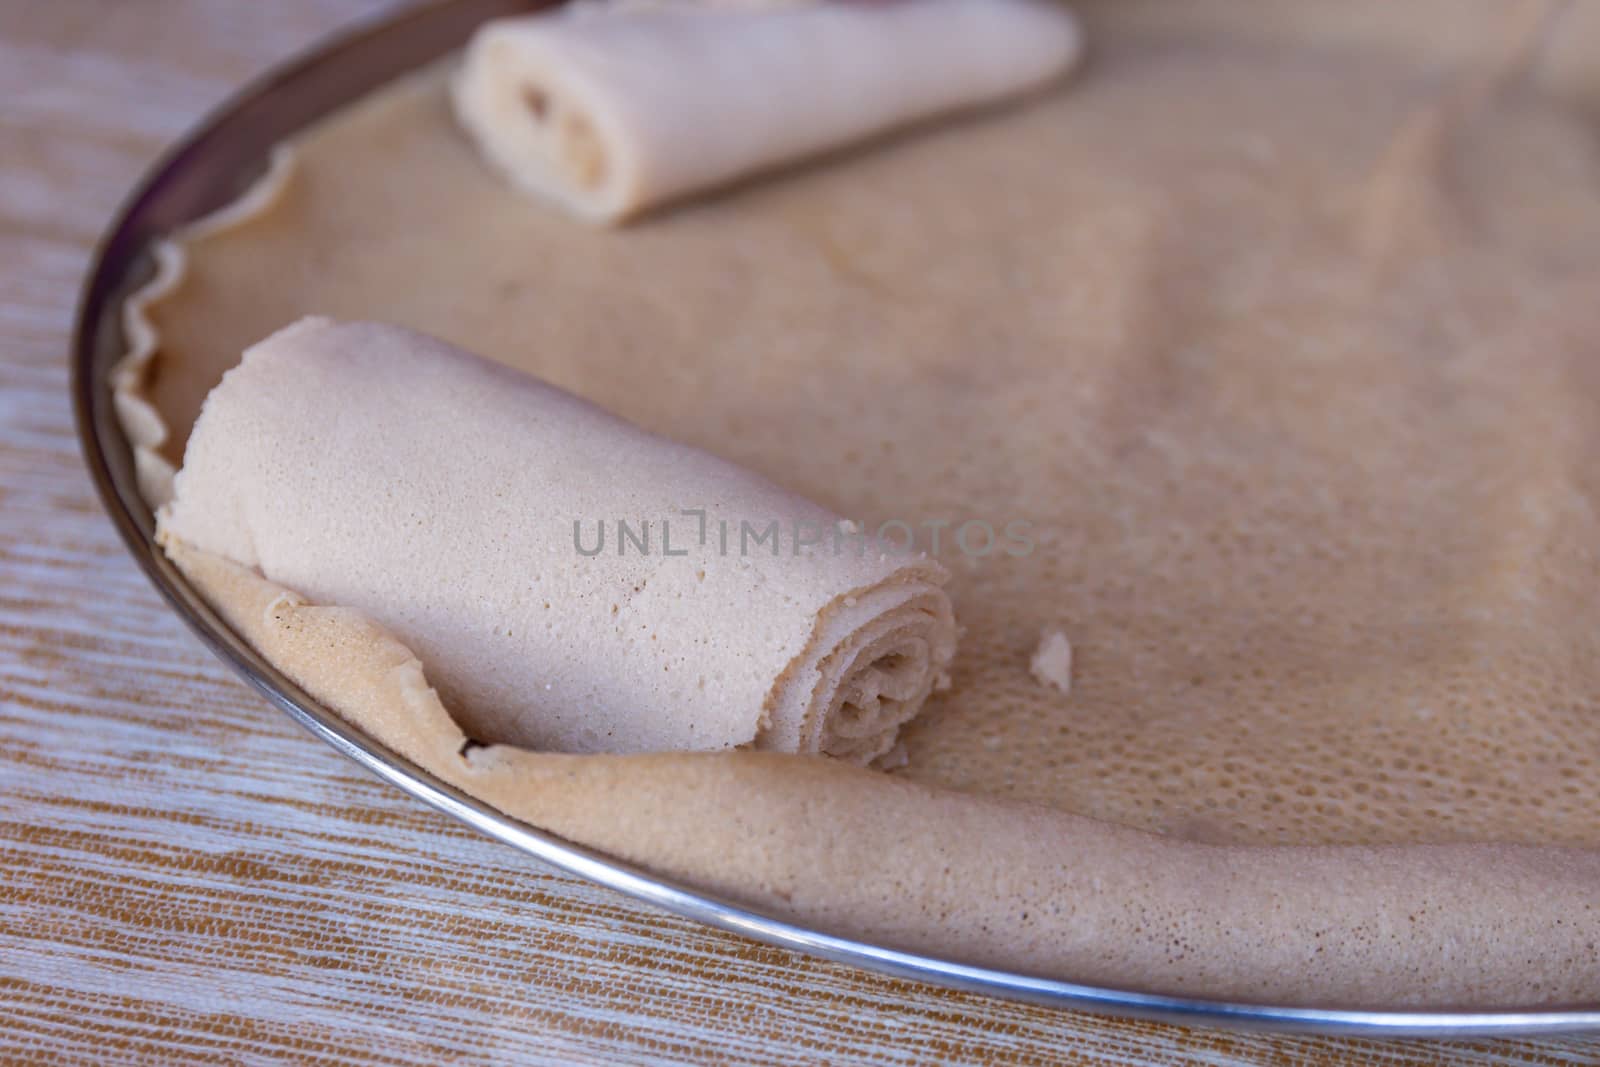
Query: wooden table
{"type": "Point", "coordinates": [185, 875]}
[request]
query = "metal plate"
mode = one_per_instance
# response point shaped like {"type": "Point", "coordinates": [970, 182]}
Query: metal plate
{"type": "Point", "coordinates": [212, 166]}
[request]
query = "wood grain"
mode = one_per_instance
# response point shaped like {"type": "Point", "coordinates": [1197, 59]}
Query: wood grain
{"type": "Point", "coordinates": [185, 876]}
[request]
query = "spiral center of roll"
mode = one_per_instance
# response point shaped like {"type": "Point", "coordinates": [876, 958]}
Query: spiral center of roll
{"type": "Point", "coordinates": [568, 135]}
{"type": "Point", "coordinates": [877, 698]}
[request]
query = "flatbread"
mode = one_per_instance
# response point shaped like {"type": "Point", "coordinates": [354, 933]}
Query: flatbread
{"type": "Point", "coordinates": [593, 104]}
{"type": "Point", "coordinates": [573, 583]}
{"type": "Point", "coordinates": [1279, 332]}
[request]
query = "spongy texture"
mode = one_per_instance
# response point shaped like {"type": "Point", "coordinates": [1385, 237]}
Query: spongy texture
{"type": "Point", "coordinates": [1284, 345]}
{"type": "Point", "coordinates": [447, 498]}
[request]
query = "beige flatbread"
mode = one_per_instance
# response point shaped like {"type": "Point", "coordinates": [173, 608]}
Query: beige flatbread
{"type": "Point", "coordinates": [1281, 338]}
{"type": "Point", "coordinates": [521, 541]}
{"type": "Point", "coordinates": [588, 103]}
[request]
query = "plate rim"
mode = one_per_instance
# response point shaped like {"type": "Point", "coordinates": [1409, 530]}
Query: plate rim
{"type": "Point", "coordinates": [97, 343]}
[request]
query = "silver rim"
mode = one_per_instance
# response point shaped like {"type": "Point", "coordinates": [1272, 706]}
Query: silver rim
{"type": "Point", "coordinates": [211, 166]}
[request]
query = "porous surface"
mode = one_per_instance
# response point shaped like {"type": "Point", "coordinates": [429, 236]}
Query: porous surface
{"type": "Point", "coordinates": [1282, 343]}
{"type": "Point", "coordinates": [520, 541]}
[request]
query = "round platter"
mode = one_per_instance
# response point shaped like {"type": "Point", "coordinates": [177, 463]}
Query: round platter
{"type": "Point", "coordinates": [213, 165]}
